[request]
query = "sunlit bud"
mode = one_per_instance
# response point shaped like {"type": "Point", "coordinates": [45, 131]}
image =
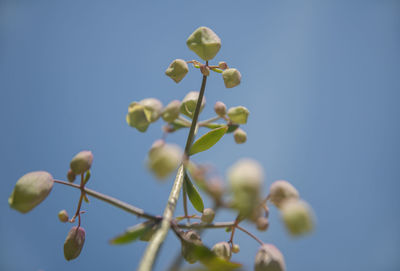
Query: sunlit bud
{"type": "Point", "coordinates": [231, 77]}
{"type": "Point", "coordinates": [81, 162]}
{"type": "Point", "coordinates": [204, 42]}
{"type": "Point", "coordinates": [191, 239]}
{"type": "Point", "coordinates": [171, 111]}
{"type": "Point", "coordinates": [188, 104]}
{"type": "Point", "coordinates": [141, 114]}
{"type": "Point", "coordinates": [245, 179]}
{"type": "Point", "coordinates": [298, 216]}
{"type": "Point", "coordinates": [280, 191]}
{"type": "Point", "coordinates": [74, 243]}
{"type": "Point", "coordinates": [235, 248]}
{"type": "Point", "coordinates": [204, 70]}
{"type": "Point", "coordinates": [71, 176]}
{"type": "Point", "coordinates": [164, 159]}
{"type": "Point", "coordinates": [63, 216]}
{"type": "Point", "coordinates": [222, 250]}
{"type": "Point", "coordinates": [208, 215]}
{"type": "Point", "coordinates": [152, 109]}
{"type": "Point", "coordinates": [238, 114]}
{"type": "Point", "coordinates": [220, 109]}
{"type": "Point", "coordinates": [177, 70]}
{"type": "Point", "coordinates": [240, 136]}
{"type": "Point", "coordinates": [262, 223]}
{"type": "Point", "coordinates": [269, 258]}
{"type": "Point", "coordinates": [30, 190]}
{"type": "Point", "coordinates": [222, 65]}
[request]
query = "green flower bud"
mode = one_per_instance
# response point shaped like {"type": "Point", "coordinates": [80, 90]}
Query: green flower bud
{"type": "Point", "coordinates": [63, 216]}
{"type": "Point", "coordinates": [81, 162]}
{"type": "Point", "coordinates": [190, 240]}
{"type": "Point", "coordinates": [152, 109]}
{"type": "Point", "coordinates": [171, 111]}
{"type": "Point", "coordinates": [204, 42]}
{"type": "Point", "coordinates": [269, 258]}
{"type": "Point", "coordinates": [231, 77]}
{"type": "Point", "coordinates": [240, 136]}
{"type": "Point", "coordinates": [245, 179]}
{"type": "Point", "coordinates": [297, 216]}
{"type": "Point", "coordinates": [238, 114]}
{"type": "Point", "coordinates": [30, 190]}
{"type": "Point", "coordinates": [141, 114]}
{"type": "Point", "coordinates": [71, 176]}
{"type": "Point", "coordinates": [204, 70]}
{"type": "Point", "coordinates": [280, 191]}
{"type": "Point", "coordinates": [235, 248]}
{"type": "Point", "coordinates": [222, 250]}
{"type": "Point", "coordinates": [177, 70]}
{"type": "Point", "coordinates": [164, 159]}
{"type": "Point", "coordinates": [220, 109]}
{"type": "Point", "coordinates": [208, 215]}
{"type": "Point", "coordinates": [188, 105]}
{"type": "Point", "coordinates": [74, 243]}
{"type": "Point", "coordinates": [222, 65]}
{"type": "Point", "coordinates": [262, 223]}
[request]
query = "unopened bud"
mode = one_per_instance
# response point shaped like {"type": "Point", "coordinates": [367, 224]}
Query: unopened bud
{"type": "Point", "coordinates": [298, 216]}
{"type": "Point", "coordinates": [231, 77]}
{"type": "Point", "coordinates": [204, 70]}
{"type": "Point", "coordinates": [238, 114]}
{"type": "Point", "coordinates": [204, 42]}
{"type": "Point", "coordinates": [152, 109]}
{"type": "Point", "coordinates": [280, 191]}
{"type": "Point", "coordinates": [208, 215]}
{"type": "Point", "coordinates": [222, 250]}
{"type": "Point", "coordinates": [74, 243]}
{"type": "Point", "coordinates": [240, 136]}
{"type": "Point", "coordinates": [222, 65]}
{"type": "Point", "coordinates": [215, 189]}
{"type": "Point", "coordinates": [269, 258]}
{"type": "Point", "coordinates": [71, 176]}
{"type": "Point", "coordinates": [63, 216]}
{"type": "Point", "coordinates": [164, 159]}
{"type": "Point", "coordinates": [141, 114]}
{"type": "Point", "coordinates": [177, 70]}
{"type": "Point", "coordinates": [81, 162]}
{"type": "Point", "coordinates": [262, 223]}
{"type": "Point", "coordinates": [220, 109]}
{"type": "Point", "coordinates": [171, 111]}
{"type": "Point", "coordinates": [188, 105]}
{"type": "Point", "coordinates": [191, 239]}
{"type": "Point", "coordinates": [235, 248]}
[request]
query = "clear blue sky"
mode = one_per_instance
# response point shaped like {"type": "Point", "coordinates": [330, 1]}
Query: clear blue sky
{"type": "Point", "coordinates": [321, 79]}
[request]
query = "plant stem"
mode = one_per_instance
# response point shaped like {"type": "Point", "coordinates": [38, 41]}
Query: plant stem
{"type": "Point", "coordinates": [205, 122]}
{"type": "Point", "coordinates": [158, 238]}
{"type": "Point", "coordinates": [250, 234]}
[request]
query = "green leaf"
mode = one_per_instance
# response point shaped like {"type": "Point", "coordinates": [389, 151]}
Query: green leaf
{"type": "Point", "coordinates": [133, 233]}
{"type": "Point", "coordinates": [214, 125]}
{"type": "Point", "coordinates": [232, 128]}
{"type": "Point", "coordinates": [87, 176]}
{"type": "Point", "coordinates": [193, 194]}
{"type": "Point", "coordinates": [208, 140]}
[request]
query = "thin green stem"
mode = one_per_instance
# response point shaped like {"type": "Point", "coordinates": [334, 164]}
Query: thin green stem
{"type": "Point", "coordinates": [205, 122]}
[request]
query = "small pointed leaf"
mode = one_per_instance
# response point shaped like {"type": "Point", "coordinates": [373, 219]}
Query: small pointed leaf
{"type": "Point", "coordinates": [193, 194]}
{"type": "Point", "coordinates": [208, 140]}
{"type": "Point", "coordinates": [133, 233]}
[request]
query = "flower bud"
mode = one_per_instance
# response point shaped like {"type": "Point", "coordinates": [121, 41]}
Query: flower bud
{"type": "Point", "coordinates": [152, 109]}
{"type": "Point", "coordinates": [63, 216]}
{"type": "Point", "coordinates": [81, 162]}
{"type": "Point", "coordinates": [205, 70]}
{"type": "Point", "coordinates": [188, 105]}
{"type": "Point", "coordinates": [30, 190]}
{"type": "Point", "coordinates": [74, 243]}
{"type": "Point", "coordinates": [204, 42]}
{"type": "Point", "coordinates": [177, 70]}
{"type": "Point", "coordinates": [71, 176]}
{"type": "Point", "coordinates": [269, 258]}
{"type": "Point", "coordinates": [297, 216]}
{"type": "Point", "coordinates": [141, 114]}
{"type": "Point", "coordinates": [220, 109]}
{"type": "Point", "coordinates": [191, 239]}
{"type": "Point", "coordinates": [231, 77]}
{"type": "Point", "coordinates": [235, 248]}
{"type": "Point", "coordinates": [280, 191]}
{"type": "Point", "coordinates": [171, 111]}
{"type": "Point", "coordinates": [262, 223]}
{"type": "Point", "coordinates": [222, 65]}
{"type": "Point", "coordinates": [240, 136]}
{"type": "Point", "coordinates": [208, 215]}
{"type": "Point", "coordinates": [164, 159]}
{"type": "Point", "coordinates": [215, 189]}
{"type": "Point", "coordinates": [245, 179]}
{"type": "Point", "coordinates": [238, 114]}
{"type": "Point", "coordinates": [222, 250]}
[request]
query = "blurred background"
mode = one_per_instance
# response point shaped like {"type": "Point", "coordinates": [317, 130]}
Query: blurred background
{"type": "Point", "coordinates": [320, 78]}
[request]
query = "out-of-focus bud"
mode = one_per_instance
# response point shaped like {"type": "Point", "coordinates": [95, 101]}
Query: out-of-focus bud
{"type": "Point", "coordinates": [171, 111]}
{"type": "Point", "coordinates": [152, 109]}
{"type": "Point", "coordinates": [141, 114]}
{"type": "Point", "coordinates": [177, 70]}
{"type": "Point", "coordinates": [220, 109]}
{"type": "Point", "coordinates": [63, 216]}
{"type": "Point", "coordinates": [269, 258]}
{"type": "Point", "coordinates": [208, 215]}
{"type": "Point", "coordinates": [222, 250]}
{"type": "Point", "coordinates": [164, 159]}
{"type": "Point", "coordinates": [231, 77]}
{"type": "Point", "coordinates": [30, 190]}
{"type": "Point", "coordinates": [222, 65]}
{"type": "Point", "coordinates": [262, 223]}
{"type": "Point", "coordinates": [74, 243]}
{"type": "Point", "coordinates": [204, 42]}
{"type": "Point", "coordinates": [205, 70]}
{"type": "Point", "coordinates": [280, 191]}
{"type": "Point", "coordinates": [245, 179]}
{"type": "Point", "coordinates": [71, 176]}
{"type": "Point", "coordinates": [191, 239]}
{"type": "Point", "coordinates": [238, 114]}
{"type": "Point", "coordinates": [81, 162]}
{"type": "Point", "coordinates": [215, 189]}
{"type": "Point", "coordinates": [188, 104]}
{"type": "Point", "coordinates": [240, 136]}
{"type": "Point", "coordinates": [298, 217]}
{"type": "Point", "coordinates": [235, 248]}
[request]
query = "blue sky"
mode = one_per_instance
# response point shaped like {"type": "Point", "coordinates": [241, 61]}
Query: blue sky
{"type": "Point", "coordinates": [320, 78]}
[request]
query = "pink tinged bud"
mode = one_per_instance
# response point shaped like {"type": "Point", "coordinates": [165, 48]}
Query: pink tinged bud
{"type": "Point", "coordinates": [177, 70]}
{"type": "Point", "coordinates": [240, 136]}
{"type": "Point", "coordinates": [238, 114]}
{"type": "Point", "coordinates": [189, 103]}
{"type": "Point", "coordinates": [81, 162]}
{"type": "Point", "coordinates": [204, 42]}
{"type": "Point", "coordinates": [297, 216]}
{"type": "Point", "coordinates": [30, 190]}
{"type": "Point", "coordinates": [269, 258]}
{"type": "Point", "coordinates": [163, 159]}
{"type": "Point", "coordinates": [71, 176]}
{"type": "Point", "coordinates": [231, 77]}
{"type": "Point", "coordinates": [63, 216]}
{"type": "Point", "coordinates": [171, 111]}
{"type": "Point", "coordinates": [262, 223]}
{"type": "Point", "coordinates": [74, 243]}
{"type": "Point", "coordinates": [222, 65]}
{"type": "Point", "coordinates": [208, 215]}
{"type": "Point", "coordinates": [222, 250]}
{"type": "Point", "coordinates": [280, 191]}
{"type": "Point", "coordinates": [220, 109]}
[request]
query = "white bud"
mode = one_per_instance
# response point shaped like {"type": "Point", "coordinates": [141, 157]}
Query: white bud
{"type": "Point", "coordinates": [240, 136]}
{"type": "Point", "coordinates": [164, 159]}
{"type": "Point", "coordinates": [280, 191]}
{"type": "Point", "coordinates": [297, 216]}
{"type": "Point", "coordinates": [222, 250]}
{"type": "Point", "coordinates": [269, 258]}
{"type": "Point", "coordinates": [171, 111]}
{"type": "Point", "coordinates": [220, 109]}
